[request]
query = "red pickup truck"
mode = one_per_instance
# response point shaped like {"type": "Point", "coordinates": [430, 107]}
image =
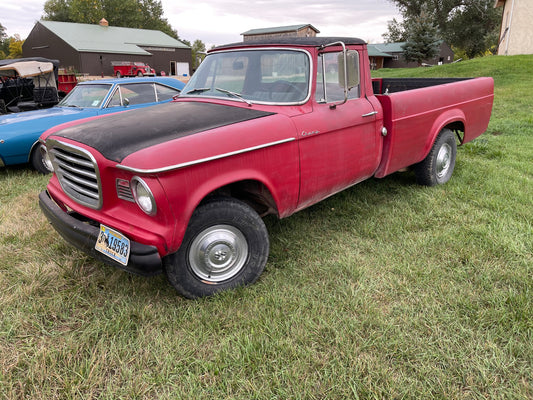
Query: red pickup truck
{"type": "Point", "coordinates": [266, 127]}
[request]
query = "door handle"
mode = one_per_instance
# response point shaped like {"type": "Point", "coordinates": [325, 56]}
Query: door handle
{"type": "Point", "coordinates": [370, 114]}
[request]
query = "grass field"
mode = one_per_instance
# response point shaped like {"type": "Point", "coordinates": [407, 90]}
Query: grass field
{"type": "Point", "coordinates": [386, 290]}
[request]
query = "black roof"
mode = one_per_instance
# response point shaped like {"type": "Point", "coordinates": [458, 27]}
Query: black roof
{"type": "Point", "coordinates": [40, 59]}
{"type": "Point", "coordinates": [55, 63]}
{"type": "Point", "coordinates": [296, 41]}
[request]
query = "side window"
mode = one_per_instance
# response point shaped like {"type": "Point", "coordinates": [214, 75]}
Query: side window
{"type": "Point", "coordinates": [328, 88]}
{"type": "Point", "coordinates": [116, 100]}
{"type": "Point", "coordinates": [138, 93]}
{"type": "Point", "coordinates": [165, 92]}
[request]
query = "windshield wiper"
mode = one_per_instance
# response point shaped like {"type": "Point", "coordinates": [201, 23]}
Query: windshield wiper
{"type": "Point", "coordinates": [237, 95]}
{"type": "Point", "coordinates": [197, 90]}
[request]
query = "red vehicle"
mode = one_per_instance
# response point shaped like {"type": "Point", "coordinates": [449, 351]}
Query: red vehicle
{"type": "Point", "coordinates": [127, 68]}
{"type": "Point", "coordinates": [261, 128]}
{"type": "Point", "coordinates": [65, 83]}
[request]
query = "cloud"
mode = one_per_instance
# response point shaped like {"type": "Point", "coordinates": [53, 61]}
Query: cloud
{"type": "Point", "coordinates": [223, 21]}
{"type": "Point", "coordinates": [19, 17]}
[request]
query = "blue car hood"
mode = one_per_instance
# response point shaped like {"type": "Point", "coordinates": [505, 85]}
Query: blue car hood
{"type": "Point", "coordinates": [43, 114]}
{"type": "Point", "coordinates": [19, 132]}
{"type": "Point", "coordinates": [34, 123]}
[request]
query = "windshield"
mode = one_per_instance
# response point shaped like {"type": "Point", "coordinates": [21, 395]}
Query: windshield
{"type": "Point", "coordinates": [86, 96]}
{"type": "Point", "coordinates": [261, 76]}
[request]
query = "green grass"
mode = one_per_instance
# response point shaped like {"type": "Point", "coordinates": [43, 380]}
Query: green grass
{"type": "Point", "coordinates": [386, 290]}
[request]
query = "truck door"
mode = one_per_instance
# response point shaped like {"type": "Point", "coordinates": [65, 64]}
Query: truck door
{"type": "Point", "coordinates": [339, 144]}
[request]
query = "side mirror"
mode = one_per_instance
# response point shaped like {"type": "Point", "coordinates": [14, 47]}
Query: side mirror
{"type": "Point", "coordinates": [125, 101]}
{"type": "Point", "coordinates": [350, 65]}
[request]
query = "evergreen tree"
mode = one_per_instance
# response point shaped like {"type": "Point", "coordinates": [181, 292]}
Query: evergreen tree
{"type": "Point", "coordinates": [422, 41]}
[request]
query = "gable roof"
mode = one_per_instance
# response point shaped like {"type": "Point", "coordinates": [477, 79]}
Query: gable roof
{"type": "Point", "coordinates": [110, 39]}
{"type": "Point", "coordinates": [293, 41]}
{"type": "Point", "coordinates": [390, 47]}
{"type": "Point", "coordinates": [279, 29]}
{"type": "Point", "coordinates": [374, 51]}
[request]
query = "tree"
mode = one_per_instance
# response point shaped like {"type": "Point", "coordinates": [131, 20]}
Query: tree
{"type": "Point", "coordinates": [15, 47]}
{"type": "Point", "coordinates": [198, 53]}
{"type": "Point", "coordinates": [471, 33]}
{"type": "Point", "coordinates": [141, 14]}
{"type": "Point", "coordinates": [396, 32]}
{"type": "Point", "coordinates": [422, 41]}
{"type": "Point", "coordinates": [470, 25]}
{"type": "Point", "coordinates": [4, 43]}
{"type": "Point", "coordinates": [10, 47]}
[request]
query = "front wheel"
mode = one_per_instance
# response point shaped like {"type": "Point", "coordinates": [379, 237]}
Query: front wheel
{"type": "Point", "coordinates": [225, 246]}
{"type": "Point", "coordinates": [40, 161]}
{"type": "Point", "coordinates": [437, 167]}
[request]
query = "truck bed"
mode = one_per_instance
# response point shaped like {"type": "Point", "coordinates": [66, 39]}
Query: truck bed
{"type": "Point", "coordinates": [394, 85]}
{"type": "Point", "coordinates": [417, 109]}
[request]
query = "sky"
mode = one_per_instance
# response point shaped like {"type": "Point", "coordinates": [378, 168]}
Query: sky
{"type": "Point", "coordinates": [217, 22]}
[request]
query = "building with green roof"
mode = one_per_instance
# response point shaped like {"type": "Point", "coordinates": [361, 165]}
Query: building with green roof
{"type": "Point", "coordinates": [396, 59]}
{"type": "Point", "coordinates": [90, 49]}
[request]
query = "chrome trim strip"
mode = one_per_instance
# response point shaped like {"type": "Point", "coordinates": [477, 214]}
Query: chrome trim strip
{"type": "Point", "coordinates": [202, 160]}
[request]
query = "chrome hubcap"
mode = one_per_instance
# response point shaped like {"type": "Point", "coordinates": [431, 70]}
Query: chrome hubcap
{"type": "Point", "coordinates": [443, 160]}
{"type": "Point", "coordinates": [218, 253]}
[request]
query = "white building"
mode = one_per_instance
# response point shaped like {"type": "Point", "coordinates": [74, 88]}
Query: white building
{"type": "Point", "coordinates": [517, 28]}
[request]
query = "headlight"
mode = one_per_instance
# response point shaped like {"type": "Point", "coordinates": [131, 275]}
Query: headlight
{"type": "Point", "coordinates": [46, 158]}
{"type": "Point", "coordinates": [143, 196]}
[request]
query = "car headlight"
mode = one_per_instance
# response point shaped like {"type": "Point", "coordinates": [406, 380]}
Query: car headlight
{"type": "Point", "coordinates": [47, 162]}
{"type": "Point", "coordinates": [143, 196]}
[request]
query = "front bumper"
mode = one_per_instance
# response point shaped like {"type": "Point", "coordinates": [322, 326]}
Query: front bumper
{"type": "Point", "coordinates": [78, 231]}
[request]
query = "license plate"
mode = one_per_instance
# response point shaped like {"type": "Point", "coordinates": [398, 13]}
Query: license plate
{"type": "Point", "coordinates": [113, 244]}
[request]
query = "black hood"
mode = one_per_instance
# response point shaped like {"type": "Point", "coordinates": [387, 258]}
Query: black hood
{"type": "Point", "coordinates": [118, 135]}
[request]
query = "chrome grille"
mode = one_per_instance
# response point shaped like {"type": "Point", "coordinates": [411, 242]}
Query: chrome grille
{"type": "Point", "coordinates": [77, 173]}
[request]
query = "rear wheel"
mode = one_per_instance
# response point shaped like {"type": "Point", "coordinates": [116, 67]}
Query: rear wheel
{"type": "Point", "coordinates": [225, 246]}
{"type": "Point", "coordinates": [118, 74]}
{"type": "Point", "coordinates": [139, 74]}
{"type": "Point", "coordinates": [437, 167]}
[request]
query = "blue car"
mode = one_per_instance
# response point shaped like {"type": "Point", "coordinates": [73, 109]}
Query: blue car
{"type": "Point", "coordinates": [20, 132]}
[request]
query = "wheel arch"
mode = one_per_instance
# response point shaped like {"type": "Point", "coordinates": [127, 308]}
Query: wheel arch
{"type": "Point", "coordinates": [34, 147]}
{"type": "Point", "coordinates": [252, 191]}
{"type": "Point", "coordinates": [452, 119]}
